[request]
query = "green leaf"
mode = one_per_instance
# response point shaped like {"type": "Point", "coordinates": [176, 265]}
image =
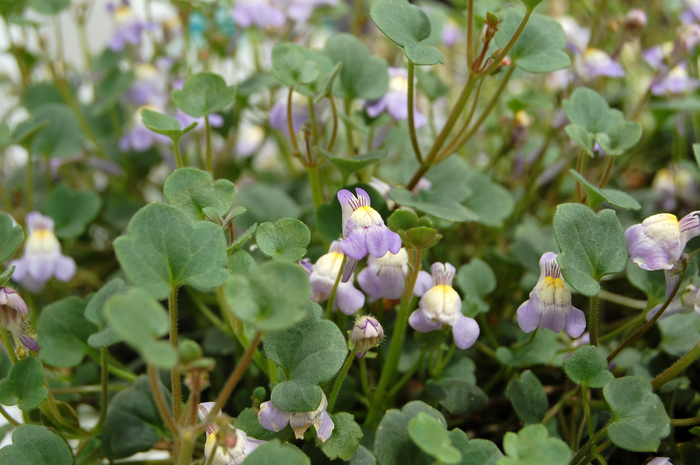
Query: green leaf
{"type": "Point", "coordinates": [49, 7]}
{"type": "Point", "coordinates": [63, 332]}
{"type": "Point", "coordinates": [266, 202]}
{"type": "Point", "coordinates": [273, 453]}
{"type": "Point", "coordinates": [539, 351]}
{"type": "Point", "coordinates": [164, 124]}
{"type": "Point", "coordinates": [430, 341]}
{"type": "Point", "coordinates": [433, 204]}
{"type": "Point", "coordinates": [94, 313]}
{"type": "Point", "coordinates": [491, 202]}
{"type": "Point", "coordinates": [310, 353]}
{"type": "Point", "coordinates": [612, 196]}
{"type": "Point", "coordinates": [11, 237]}
{"type": "Point", "coordinates": [458, 396]}
{"type": "Point", "coordinates": [592, 120]}
{"type": "Point", "coordinates": [431, 436]}
{"type": "Point", "coordinates": [133, 423]}
{"type": "Point", "coordinates": [476, 280]}
{"type": "Point", "coordinates": [420, 238]}
{"type": "Point", "coordinates": [345, 439]}
{"type": "Point", "coordinates": [285, 239]}
{"type": "Point", "coordinates": [242, 239]}
{"type": "Point", "coordinates": [652, 283]}
{"type": "Point", "coordinates": [191, 190]}
{"type": "Point", "coordinates": [639, 419]}
{"type": "Point", "coordinates": [241, 262]}
{"type": "Point", "coordinates": [271, 297]}
{"type": "Point", "coordinates": [476, 451]}
{"type": "Point", "coordinates": [362, 75]}
{"type": "Point", "coordinates": [164, 249]}
{"type": "Point", "coordinates": [393, 444]}
{"type": "Point", "coordinates": [431, 84]}
{"type": "Point", "coordinates": [588, 366]}
{"type": "Point", "coordinates": [592, 246]}
{"type": "Point", "coordinates": [61, 135]}
{"type": "Point", "coordinates": [679, 333]}
{"type": "Point", "coordinates": [110, 88]}
{"type": "Point", "coordinates": [5, 135]}
{"type": "Point", "coordinates": [347, 166]}
{"type": "Point", "coordinates": [204, 93]}
{"type": "Point", "coordinates": [528, 398]}
{"type": "Point", "coordinates": [36, 445]}
{"type": "Point", "coordinates": [531, 446]}
{"type": "Point", "coordinates": [296, 65]}
{"type": "Point", "coordinates": [24, 385]}
{"type": "Point", "coordinates": [406, 25]}
{"type": "Point", "coordinates": [72, 211]}
{"type": "Point", "coordinates": [540, 47]}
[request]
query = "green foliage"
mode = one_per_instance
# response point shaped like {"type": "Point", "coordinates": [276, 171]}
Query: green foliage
{"type": "Point", "coordinates": [540, 47]}
{"type": "Point", "coordinates": [348, 166]}
{"type": "Point", "coordinates": [458, 396]}
{"type": "Point", "coordinates": [271, 297]}
{"type": "Point", "coordinates": [165, 249]}
{"type": "Point", "coordinates": [407, 26]}
{"type": "Point", "coordinates": [345, 439]}
{"type": "Point", "coordinates": [63, 332]}
{"type": "Point", "coordinates": [588, 367]}
{"type": "Point", "coordinates": [310, 353]}
{"type": "Point", "coordinates": [24, 385]}
{"type": "Point", "coordinates": [54, 130]}
{"type": "Point", "coordinates": [164, 124]}
{"type": "Point", "coordinates": [433, 204]}
{"type": "Point", "coordinates": [476, 280]}
{"type": "Point", "coordinates": [528, 398]}
{"type": "Point", "coordinates": [266, 202]}
{"type": "Point", "coordinates": [597, 195]}
{"type": "Point", "coordinates": [133, 423]}
{"type": "Point", "coordinates": [476, 451]}
{"type": "Point", "coordinates": [49, 7]}
{"type": "Point", "coordinates": [679, 333]}
{"type": "Point", "coordinates": [652, 283]}
{"type": "Point", "coordinates": [491, 202]}
{"type": "Point", "coordinates": [532, 446]}
{"type": "Point", "coordinates": [140, 321]}
{"type": "Point", "coordinates": [36, 445]}
{"type": "Point", "coordinates": [592, 120]}
{"type": "Point", "coordinates": [361, 75]}
{"type": "Point", "coordinates": [393, 445]}
{"type": "Point", "coordinates": [94, 313]}
{"type": "Point", "coordinates": [639, 420]}
{"type": "Point", "coordinates": [204, 93]}
{"type": "Point", "coordinates": [592, 246]}
{"type": "Point", "coordinates": [429, 434]}
{"type": "Point", "coordinates": [72, 211]}
{"type": "Point", "coordinates": [296, 65]}
{"type": "Point", "coordinates": [11, 237]}
{"type": "Point", "coordinates": [286, 239]}
{"type": "Point", "coordinates": [540, 350]}
{"type": "Point", "coordinates": [191, 191]}
{"type": "Point", "coordinates": [274, 453]}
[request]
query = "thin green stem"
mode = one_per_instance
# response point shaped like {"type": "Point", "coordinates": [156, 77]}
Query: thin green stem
{"type": "Point", "coordinates": [608, 170]}
{"type": "Point", "coordinates": [340, 378]}
{"type": "Point", "coordinates": [685, 421]}
{"type": "Point", "coordinates": [593, 320]}
{"type": "Point", "coordinates": [87, 389]}
{"type": "Point", "coordinates": [29, 188]}
{"type": "Point", "coordinates": [622, 300]}
{"type": "Point", "coordinates": [174, 374]}
{"type": "Point", "coordinates": [363, 377]}
{"type": "Point", "coordinates": [176, 150]}
{"type": "Point", "coordinates": [104, 389]}
{"type": "Point", "coordinates": [504, 52]}
{"type": "Point", "coordinates": [396, 339]}
{"type": "Point", "coordinates": [162, 406]}
{"type": "Point", "coordinates": [406, 377]}
{"type": "Point", "coordinates": [556, 407]}
{"type": "Point", "coordinates": [187, 440]}
{"type": "Point", "coordinates": [8, 417]}
{"type": "Point", "coordinates": [677, 368]}
{"type": "Point", "coordinates": [470, 33]}
{"type": "Point", "coordinates": [290, 123]}
{"type": "Point", "coordinates": [334, 132]}
{"type": "Point", "coordinates": [633, 322]}
{"type": "Point", "coordinates": [314, 124]}
{"type": "Point", "coordinates": [602, 4]}
{"type": "Point", "coordinates": [586, 447]}
{"type": "Point", "coordinates": [7, 343]}
{"type": "Point", "coordinates": [334, 291]}
{"type": "Point", "coordinates": [411, 116]}
{"type": "Point", "coordinates": [315, 180]}
{"type": "Point", "coordinates": [348, 128]}
{"type": "Point", "coordinates": [208, 164]}
{"type": "Point", "coordinates": [587, 410]}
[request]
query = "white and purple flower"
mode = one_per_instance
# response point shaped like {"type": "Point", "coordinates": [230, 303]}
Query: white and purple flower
{"type": "Point", "coordinates": [451, 32]}
{"type": "Point", "coordinates": [441, 305]}
{"type": "Point", "coordinates": [395, 101]}
{"type": "Point", "coordinates": [366, 334]}
{"type": "Point", "coordinates": [385, 277]}
{"type": "Point", "coordinates": [323, 275]}
{"type": "Point", "coordinates": [14, 314]}
{"type": "Point", "coordinates": [273, 419]}
{"type": "Point", "coordinates": [549, 305]}
{"type": "Point", "coordinates": [234, 449]}
{"type": "Point", "coordinates": [657, 243]}
{"type": "Point", "coordinates": [129, 27]}
{"type": "Point", "coordinates": [259, 13]}
{"type": "Point", "coordinates": [43, 257]}
{"type": "Point", "coordinates": [595, 62]}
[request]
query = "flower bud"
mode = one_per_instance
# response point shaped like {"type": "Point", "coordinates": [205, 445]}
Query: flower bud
{"type": "Point", "coordinates": [366, 334]}
{"type": "Point", "coordinates": [189, 351]}
{"type": "Point", "coordinates": [634, 21]}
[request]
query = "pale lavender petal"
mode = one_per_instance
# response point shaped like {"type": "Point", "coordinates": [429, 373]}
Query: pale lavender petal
{"type": "Point", "coordinates": [348, 204]}
{"type": "Point", "coordinates": [205, 409]}
{"type": "Point", "coordinates": [421, 323]}
{"type": "Point", "coordinates": [363, 197]}
{"type": "Point", "coordinates": [348, 299]}
{"type": "Point", "coordinates": [370, 283]}
{"type": "Point", "coordinates": [41, 268]}
{"type": "Point", "coordinates": [529, 316]}
{"type": "Point", "coordinates": [450, 33]}
{"type": "Point", "coordinates": [324, 426]}
{"type": "Point", "coordinates": [393, 282]}
{"type": "Point", "coordinates": [272, 419]}
{"type": "Point", "coordinates": [660, 461]}
{"type": "Point", "coordinates": [553, 318]}
{"type": "Point", "coordinates": [376, 107]}
{"type": "Point", "coordinates": [654, 56]}
{"type": "Point", "coordinates": [377, 241]}
{"type": "Point", "coordinates": [423, 283]}
{"type": "Point", "coordinates": [465, 332]}
{"type": "Point", "coordinates": [355, 247]}
{"type": "Point", "coordinates": [575, 322]}
{"type": "Point", "coordinates": [21, 268]}
{"type": "Point", "coordinates": [65, 268]}
{"type": "Point", "coordinates": [15, 301]}
{"type": "Point", "coordinates": [348, 269]}
{"type": "Point", "coordinates": [397, 105]}
{"type": "Point", "coordinates": [394, 241]}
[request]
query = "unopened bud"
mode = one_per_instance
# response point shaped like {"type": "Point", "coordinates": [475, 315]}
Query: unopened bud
{"type": "Point", "coordinates": [634, 21]}
{"type": "Point", "coordinates": [366, 334]}
{"type": "Point", "coordinates": [492, 20]}
{"type": "Point", "coordinates": [189, 351]}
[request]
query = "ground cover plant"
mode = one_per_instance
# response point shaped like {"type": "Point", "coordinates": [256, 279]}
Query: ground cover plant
{"type": "Point", "coordinates": [373, 232]}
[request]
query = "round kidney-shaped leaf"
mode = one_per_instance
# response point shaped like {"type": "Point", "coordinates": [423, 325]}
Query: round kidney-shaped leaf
{"type": "Point", "coordinates": [36, 445]}
{"type": "Point", "coordinates": [204, 93]}
{"type": "Point", "coordinates": [588, 367]}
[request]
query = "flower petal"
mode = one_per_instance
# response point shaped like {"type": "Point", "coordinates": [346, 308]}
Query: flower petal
{"type": "Point", "coordinates": [421, 323]}
{"type": "Point", "coordinates": [465, 332]}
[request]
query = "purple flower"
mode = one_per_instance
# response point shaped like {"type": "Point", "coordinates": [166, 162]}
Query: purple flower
{"type": "Point", "coordinates": [215, 120]}
{"type": "Point", "coordinates": [273, 419]}
{"type": "Point", "coordinates": [300, 114]}
{"type": "Point", "coordinates": [395, 101]}
{"type": "Point", "coordinates": [323, 275]}
{"type": "Point", "coordinates": [634, 21]}
{"type": "Point", "coordinates": [660, 461]}
{"type": "Point", "coordinates": [658, 242]}
{"type": "Point", "coordinates": [366, 334]}
{"type": "Point", "coordinates": [149, 87]}
{"type": "Point", "coordinates": [43, 257]}
{"type": "Point", "coordinates": [595, 62]}
{"type": "Point", "coordinates": [364, 230]}
{"type": "Point", "coordinates": [300, 10]}
{"type": "Point", "coordinates": [674, 82]}
{"type": "Point", "coordinates": [14, 314]}
{"type": "Point", "coordinates": [451, 32]}
{"type": "Point", "coordinates": [689, 298]}
{"type": "Point", "coordinates": [577, 37]}
{"type": "Point", "coordinates": [140, 138]}
{"type": "Point", "coordinates": [692, 12]}
{"type": "Point", "coordinates": [250, 139]}
{"type": "Point", "coordinates": [441, 305]}
{"type": "Point", "coordinates": [385, 277]}
{"type": "Point", "coordinates": [260, 13]}
{"type": "Point", "coordinates": [234, 446]}
{"type": "Point", "coordinates": [129, 27]}
{"type": "Point", "coordinates": [550, 303]}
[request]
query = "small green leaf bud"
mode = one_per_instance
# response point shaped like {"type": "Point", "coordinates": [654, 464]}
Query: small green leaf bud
{"type": "Point", "coordinates": [189, 351]}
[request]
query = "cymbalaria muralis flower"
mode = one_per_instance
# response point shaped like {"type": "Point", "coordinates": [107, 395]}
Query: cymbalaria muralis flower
{"type": "Point", "coordinates": [43, 257]}
{"type": "Point", "coordinates": [364, 230]}
{"type": "Point", "coordinates": [13, 316]}
{"type": "Point", "coordinates": [234, 449]}
{"type": "Point", "coordinates": [366, 334]}
{"type": "Point", "coordinates": [441, 305]}
{"type": "Point", "coordinates": [660, 461]}
{"type": "Point", "coordinates": [386, 277]}
{"type": "Point", "coordinates": [323, 275]}
{"type": "Point", "coordinates": [549, 305]}
{"type": "Point", "coordinates": [273, 419]}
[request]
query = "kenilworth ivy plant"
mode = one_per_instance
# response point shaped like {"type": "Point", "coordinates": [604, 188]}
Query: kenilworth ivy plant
{"type": "Point", "coordinates": [385, 232]}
